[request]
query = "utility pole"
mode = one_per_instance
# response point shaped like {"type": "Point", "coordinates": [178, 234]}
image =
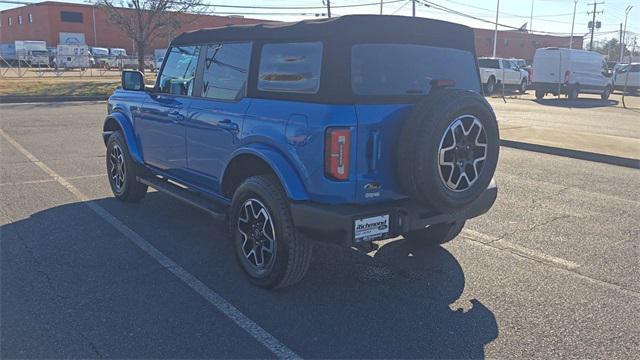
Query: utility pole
{"type": "Point", "coordinates": [593, 22]}
{"type": "Point", "coordinates": [495, 32]}
{"type": "Point", "coordinates": [624, 33]}
{"type": "Point", "coordinates": [573, 22]}
{"type": "Point", "coordinates": [531, 18]}
{"type": "Point", "coordinates": [620, 44]}
{"type": "Point", "coordinates": [413, 8]}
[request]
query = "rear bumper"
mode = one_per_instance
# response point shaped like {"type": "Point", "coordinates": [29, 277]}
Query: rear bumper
{"type": "Point", "coordinates": [335, 224]}
{"type": "Point", "coordinates": [550, 87]}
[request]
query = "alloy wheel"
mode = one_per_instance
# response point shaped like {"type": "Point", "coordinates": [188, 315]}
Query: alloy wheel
{"type": "Point", "coordinates": [462, 153]}
{"type": "Point", "coordinates": [117, 169]}
{"type": "Point", "coordinates": [257, 234]}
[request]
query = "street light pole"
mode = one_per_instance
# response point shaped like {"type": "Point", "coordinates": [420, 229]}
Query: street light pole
{"type": "Point", "coordinates": [495, 32]}
{"type": "Point", "coordinates": [624, 33]}
{"type": "Point", "coordinates": [573, 22]}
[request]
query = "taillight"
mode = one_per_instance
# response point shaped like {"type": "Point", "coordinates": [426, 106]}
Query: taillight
{"type": "Point", "coordinates": [567, 75]}
{"type": "Point", "coordinates": [337, 147]}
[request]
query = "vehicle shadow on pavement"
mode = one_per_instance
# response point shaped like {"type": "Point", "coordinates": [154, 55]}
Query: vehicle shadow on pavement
{"type": "Point", "coordinates": [408, 299]}
{"type": "Point", "coordinates": [398, 303]}
{"type": "Point", "coordinates": [579, 103]}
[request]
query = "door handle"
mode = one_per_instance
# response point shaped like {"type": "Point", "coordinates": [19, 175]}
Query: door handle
{"type": "Point", "coordinates": [177, 115]}
{"type": "Point", "coordinates": [228, 125]}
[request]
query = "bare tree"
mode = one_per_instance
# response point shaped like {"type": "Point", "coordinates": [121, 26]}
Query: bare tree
{"type": "Point", "coordinates": [143, 21]}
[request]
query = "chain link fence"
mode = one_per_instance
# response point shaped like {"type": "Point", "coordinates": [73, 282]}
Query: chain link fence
{"type": "Point", "coordinates": [70, 65]}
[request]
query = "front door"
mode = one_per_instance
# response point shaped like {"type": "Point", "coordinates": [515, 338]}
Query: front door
{"type": "Point", "coordinates": [216, 115]}
{"type": "Point", "coordinates": [160, 125]}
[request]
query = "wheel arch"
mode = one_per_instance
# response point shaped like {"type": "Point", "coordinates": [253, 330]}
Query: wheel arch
{"type": "Point", "coordinates": [257, 160]}
{"type": "Point", "coordinates": [118, 122]}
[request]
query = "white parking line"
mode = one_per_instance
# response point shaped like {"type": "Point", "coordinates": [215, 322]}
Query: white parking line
{"type": "Point", "coordinates": [248, 325]}
{"type": "Point", "coordinates": [29, 182]}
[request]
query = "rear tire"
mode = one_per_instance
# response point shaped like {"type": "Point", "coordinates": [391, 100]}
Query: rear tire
{"type": "Point", "coordinates": [436, 234]}
{"type": "Point", "coordinates": [266, 243]}
{"type": "Point", "coordinates": [122, 171]}
{"type": "Point", "coordinates": [523, 86]}
{"type": "Point", "coordinates": [606, 93]}
{"type": "Point", "coordinates": [491, 86]}
{"type": "Point", "coordinates": [539, 94]}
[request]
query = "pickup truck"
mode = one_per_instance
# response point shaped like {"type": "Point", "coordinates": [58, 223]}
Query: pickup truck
{"type": "Point", "coordinates": [502, 72]}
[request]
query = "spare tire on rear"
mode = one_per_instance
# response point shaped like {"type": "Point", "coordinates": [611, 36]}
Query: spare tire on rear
{"type": "Point", "coordinates": [448, 149]}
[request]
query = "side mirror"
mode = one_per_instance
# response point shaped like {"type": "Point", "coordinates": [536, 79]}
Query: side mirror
{"type": "Point", "coordinates": [133, 80]}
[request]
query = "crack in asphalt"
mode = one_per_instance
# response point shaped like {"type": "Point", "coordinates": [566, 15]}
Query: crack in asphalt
{"type": "Point", "coordinates": [50, 283]}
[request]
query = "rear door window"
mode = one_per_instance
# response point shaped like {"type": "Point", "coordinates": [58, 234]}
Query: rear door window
{"type": "Point", "coordinates": [489, 63]}
{"type": "Point", "coordinates": [225, 71]}
{"type": "Point", "coordinates": [407, 69]}
{"type": "Point", "coordinates": [290, 67]}
{"type": "Point", "coordinates": [179, 71]}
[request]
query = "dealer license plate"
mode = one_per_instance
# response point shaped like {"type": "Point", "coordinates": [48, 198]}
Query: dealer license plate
{"type": "Point", "coordinates": [371, 228]}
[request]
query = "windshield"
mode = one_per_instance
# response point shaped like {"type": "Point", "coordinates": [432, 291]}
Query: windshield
{"type": "Point", "coordinates": [406, 69]}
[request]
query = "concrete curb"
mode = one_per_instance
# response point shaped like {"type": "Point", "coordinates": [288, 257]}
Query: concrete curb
{"type": "Point", "coordinates": [44, 99]}
{"type": "Point", "coordinates": [574, 154]}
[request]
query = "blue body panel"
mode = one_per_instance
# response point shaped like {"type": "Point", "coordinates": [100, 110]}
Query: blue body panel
{"type": "Point", "coordinates": [193, 141]}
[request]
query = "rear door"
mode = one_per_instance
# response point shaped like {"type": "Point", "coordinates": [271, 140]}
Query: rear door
{"type": "Point", "coordinates": [217, 113]}
{"type": "Point", "coordinates": [160, 126]}
{"type": "Point", "coordinates": [546, 66]}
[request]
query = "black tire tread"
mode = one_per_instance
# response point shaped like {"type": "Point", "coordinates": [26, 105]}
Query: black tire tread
{"type": "Point", "coordinates": [438, 103]}
{"type": "Point", "coordinates": [437, 234]}
{"type": "Point", "coordinates": [134, 190]}
{"type": "Point", "coordinates": [299, 249]}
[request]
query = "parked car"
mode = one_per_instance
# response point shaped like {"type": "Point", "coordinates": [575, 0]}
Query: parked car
{"type": "Point", "coordinates": [628, 76]}
{"type": "Point", "coordinates": [298, 135]}
{"type": "Point", "coordinates": [522, 64]}
{"type": "Point", "coordinates": [32, 53]}
{"type": "Point", "coordinates": [497, 72]}
{"type": "Point", "coordinates": [570, 72]}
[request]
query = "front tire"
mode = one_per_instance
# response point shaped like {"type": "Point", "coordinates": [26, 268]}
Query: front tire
{"type": "Point", "coordinates": [433, 235]}
{"type": "Point", "coordinates": [574, 92]}
{"type": "Point", "coordinates": [122, 171]}
{"type": "Point", "coordinates": [606, 93]}
{"type": "Point", "coordinates": [267, 246]}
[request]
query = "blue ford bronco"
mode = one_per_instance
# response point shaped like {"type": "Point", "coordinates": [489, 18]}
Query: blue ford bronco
{"type": "Point", "coordinates": [340, 131]}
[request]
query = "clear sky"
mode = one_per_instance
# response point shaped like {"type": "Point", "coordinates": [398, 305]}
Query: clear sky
{"type": "Point", "coordinates": [548, 15]}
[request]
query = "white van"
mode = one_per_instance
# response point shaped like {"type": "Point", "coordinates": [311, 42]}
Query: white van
{"type": "Point", "coordinates": [570, 72]}
{"type": "Point", "coordinates": [628, 74]}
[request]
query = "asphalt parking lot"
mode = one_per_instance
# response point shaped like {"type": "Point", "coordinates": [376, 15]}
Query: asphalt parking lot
{"type": "Point", "coordinates": [551, 271]}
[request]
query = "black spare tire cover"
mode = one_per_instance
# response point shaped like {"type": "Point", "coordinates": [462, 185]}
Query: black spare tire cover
{"type": "Point", "coordinates": [448, 149]}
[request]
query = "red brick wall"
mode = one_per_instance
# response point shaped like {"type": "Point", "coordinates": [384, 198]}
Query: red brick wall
{"type": "Point", "coordinates": [520, 45]}
{"type": "Point", "coordinates": [47, 26]}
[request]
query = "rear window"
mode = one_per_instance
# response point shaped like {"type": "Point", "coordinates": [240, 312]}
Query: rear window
{"type": "Point", "coordinates": [406, 69]}
{"type": "Point", "coordinates": [489, 63]}
{"type": "Point", "coordinates": [290, 67]}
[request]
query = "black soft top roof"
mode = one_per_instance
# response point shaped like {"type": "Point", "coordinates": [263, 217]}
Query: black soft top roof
{"type": "Point", "coordinates": [344, 29]}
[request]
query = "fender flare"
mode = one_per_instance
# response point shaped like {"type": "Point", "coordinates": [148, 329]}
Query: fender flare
{"type": "Point", "coordinates": [286, 173]}
{"type": "Point", "coordinates": [127, 130]}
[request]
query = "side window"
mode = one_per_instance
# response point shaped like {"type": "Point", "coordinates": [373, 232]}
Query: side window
{"type": "Point", "coordinates": [290, 67]}
{"type": "Point", "coordinates": [506, 64]}
{"type": "Point", "coordinates": [225, 71]}
{"type": "Point", "coordinates": [634, 68]}
{"type": "Point", "coordinates": [179, 70]}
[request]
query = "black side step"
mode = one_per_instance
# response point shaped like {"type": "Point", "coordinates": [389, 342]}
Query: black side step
{"type": "Point", "coordinates": [218, 212]}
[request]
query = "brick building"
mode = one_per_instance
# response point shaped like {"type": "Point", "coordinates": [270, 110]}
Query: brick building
{"type": "Point", "coordinates": [60, 23]}
{"type": "Point", "coordinates": [57, 23]}
{"type": "Point", "coordinates": [519, 44]}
